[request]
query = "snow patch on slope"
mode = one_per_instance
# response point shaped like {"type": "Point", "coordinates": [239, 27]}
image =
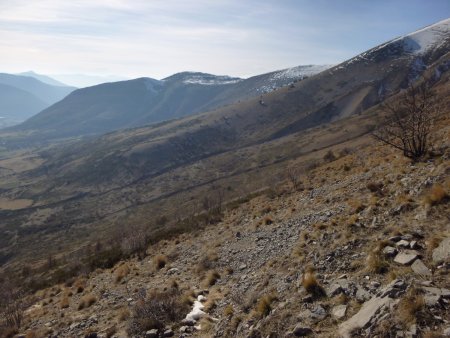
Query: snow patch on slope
{"type": "Point", "coordinates": [299, 72]}
{"type": "Point", "coordinates": [419, 42]}
{"type": "Point", "coordinates": [286, 76]}
{"type": "Point", "coordinates": [211, 80]}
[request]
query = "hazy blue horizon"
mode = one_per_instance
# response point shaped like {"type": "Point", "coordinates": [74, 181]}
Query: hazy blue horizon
{"type": "Point", "coordinates": [134, 38]}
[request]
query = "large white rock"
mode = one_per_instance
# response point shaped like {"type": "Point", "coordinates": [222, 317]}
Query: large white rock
{"type": "Point", "coordinates": [419, 268]}
{"type": "Point", "coordinates": [365, 315]}
{"type": "Point", "coordinates": [442, 252]}
{"type": "Point", "coordinates": [339, 311]}
{"type": "Point", "coordinates": [406, 257]}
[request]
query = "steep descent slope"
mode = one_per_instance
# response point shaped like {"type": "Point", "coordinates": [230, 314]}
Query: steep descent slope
{"type": "Point", "coordinates": [143, 171]}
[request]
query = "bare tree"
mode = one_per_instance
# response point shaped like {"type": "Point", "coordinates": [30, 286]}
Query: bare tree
{"type": "Point", "coordinates": [134, 240]}
{"type": "Point", "coordinates": [410, 120]}
{"type": "Point", "coordinates": [293, 175]}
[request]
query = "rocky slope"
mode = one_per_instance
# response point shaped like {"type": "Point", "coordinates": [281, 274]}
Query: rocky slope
{"type": "Point", "coordinates": [359, 249]}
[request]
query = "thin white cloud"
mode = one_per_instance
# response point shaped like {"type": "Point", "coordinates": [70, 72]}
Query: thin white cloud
{"type": "Point", "coordinates": [160, 37]}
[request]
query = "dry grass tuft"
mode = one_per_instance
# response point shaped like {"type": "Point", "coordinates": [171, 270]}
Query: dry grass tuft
{"type": "Point", "coordinates": [410, 307]}
{"type": "Point", "coordinates": [268, 220]}
{"type": "Point", "coordinates": [121, 272]}
{"type": "Point", "coordinates": [64, 304]}
{"type": "Point", "coordinates": [31, 334]}
{"type": "Point", "coordinates": [228, 311]}
{"type": "Point", "coordinates": [264, 305]}
{"type": "Point", "coordinates": [211, 278]}
{"type": "Point", "coordinates": [356, 205]}
{"type": "Point", "coordinates": [123, 314]}
{"type": "Point", "coordinates": [375, 187]}
{"type": "Point", "coordinates": [375, 262]}
{"type": "Point", "coordinates": [436, 195]}
{"type": "Point", "coordinates": [80, 285]}
{"type": "Point", "coordinates": [111, 331]}
{"type": "Point", "coordinates": [156, 311]}
{"type": "Point", "coordinates": [159, 261]}
{"type": "Point", "coordinates": [86, 301]}
{"type": "Point", "coordinates": [311, 285]}
{"type": "Point", "coordinates": [207, 262]}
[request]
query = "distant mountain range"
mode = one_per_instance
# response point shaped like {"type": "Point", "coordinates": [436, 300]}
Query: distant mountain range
{"type": "Point", "coordinates": [44, 78]}
{"type": "Point", "coordinates": [86, 80]}
{"type": "Point", "coordinates": [133, 103]}
{"type": "Point", "coordinates": [24, 96]}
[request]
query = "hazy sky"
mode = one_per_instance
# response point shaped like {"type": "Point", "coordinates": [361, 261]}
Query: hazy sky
{"type": "Point", "coordinates": [157, 38]}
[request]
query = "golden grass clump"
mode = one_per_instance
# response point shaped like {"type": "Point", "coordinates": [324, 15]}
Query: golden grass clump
{"type": "Point", "coordinates": [436, 195]}
{"type": "Point", "coordinates": [211, 278]}
{"type": "Point", "coordinates": [264, 305]}
{"type": "Point", "coordinates": [207, 262]}
{"type": "Point", "coordinates": [80, 285]}
{"type": "Point", "coordinates": [228, 311]}
{"type": "Point", "coordinates": [268, 220]}
{"type": "Point", "coordinates": [121, 272]}
{"type": "Point", "coordinates": [375, 262]}
{"type": "Point", "coordinates": [159, 261]}
{"type": "Point", "coordinates": [86, 301]}
{"type": "Point", "coordinates": [410, 307]}
{"type": "Point", "coordinates": [64, 303]}
{"type": "Point", "coordinates": [123, 314]}
{"type": "Point", "coordinates": [311, 285]}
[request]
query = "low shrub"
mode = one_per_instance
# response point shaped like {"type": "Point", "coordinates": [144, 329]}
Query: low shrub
{"type": "Point", "coordinates": [211, 278]}
{"type": "Point", "coordinates": [264, 305]}
{"type": "Point", "coordinates": [156, 311]}
{"type": "Point", "coordinates": [159, 261]}
{"type": "Point", "coordinates": [436, 195]}
{"type": "Point", "coordinates": [311, 285]}
{"type": "Point", "coordinates": [87, 301]}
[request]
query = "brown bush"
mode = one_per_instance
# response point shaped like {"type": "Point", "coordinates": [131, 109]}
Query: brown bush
{"type": "Point", "coordinates": [329, 156]}
{"type": "Point", "coordinates": [121, 272]}
{"type": "Point", "coordinates": [311, 285]}
{"type": "Point", "coordinates": [228, 310]}
{"type": "Point", "coordinates": [64, 302]}
{"type": "Point", "coordinates": [80, 285]}
{"type": "Point", "coordinates": [159, 261]}
{"type": "Point", "coordinates": [156, 311]}
{"type": "Point", "coordinates": [436, 195]}
{"type": "Point", "coordinates": [123, 314]}
{"type": "Point", "coordinates": [86, 301]}
{"type": "Point", "coordinates": [411, 307]}
{"type": "Point", "coordinates": [264, 305]}
{"type": "Point", "coordinates": [207, 262]}
{"type": "Point", "coordinates": [375, 187]}
{"type": "Point", "coordinates": [212, 278]}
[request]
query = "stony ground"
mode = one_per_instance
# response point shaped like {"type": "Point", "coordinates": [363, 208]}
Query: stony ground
{"type": "Point", "coordinates": [360, 249]}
